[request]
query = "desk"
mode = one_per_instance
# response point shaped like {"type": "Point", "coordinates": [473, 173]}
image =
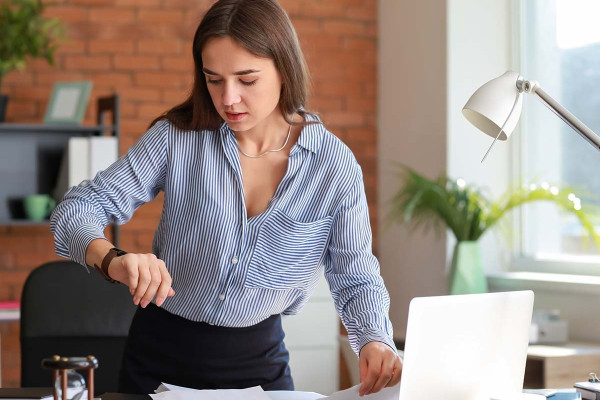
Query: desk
{"type": "Point", "coordinates": [560, 366]}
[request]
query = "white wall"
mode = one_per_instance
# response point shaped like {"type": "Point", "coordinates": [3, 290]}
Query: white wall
{"type": "Point", "coordinates": [479, 49]}
{"type": "Point", "coordinates": [412, 130]}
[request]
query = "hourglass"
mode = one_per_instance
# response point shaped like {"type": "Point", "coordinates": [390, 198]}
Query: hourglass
{"type": "Point", "coordinates": [63, 374]}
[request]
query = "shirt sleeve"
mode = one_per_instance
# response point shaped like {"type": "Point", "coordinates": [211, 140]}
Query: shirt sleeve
{"type": "Point", "coordinates": [352, 271]}
{"type": "Point", "coordinates": [112, 196]}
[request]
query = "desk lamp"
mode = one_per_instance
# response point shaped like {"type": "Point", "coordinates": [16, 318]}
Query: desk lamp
{"type": "Point", "coordinates": [495, 108]}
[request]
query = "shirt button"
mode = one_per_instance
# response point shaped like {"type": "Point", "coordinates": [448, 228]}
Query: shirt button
{"type": "Point", "coordinates": [222, 296]}
{"type": "Point", "coordinates": [234, 260]}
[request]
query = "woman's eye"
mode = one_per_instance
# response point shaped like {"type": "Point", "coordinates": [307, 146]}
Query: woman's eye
{"type": "Point", "coordinates": [214, 81]}
{"type": "Point", "coordinates": [248, 83]}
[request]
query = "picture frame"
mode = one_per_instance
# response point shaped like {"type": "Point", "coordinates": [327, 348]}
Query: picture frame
{"type": "Point", "coordinates": [68, 103]}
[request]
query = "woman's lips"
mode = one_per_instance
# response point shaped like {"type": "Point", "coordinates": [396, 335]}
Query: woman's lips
{"type": "Point", "coordinates": [235, 116]}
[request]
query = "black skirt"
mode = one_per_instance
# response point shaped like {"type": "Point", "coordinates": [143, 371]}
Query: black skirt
{"type": "Point", "coordinates": [163, 347]}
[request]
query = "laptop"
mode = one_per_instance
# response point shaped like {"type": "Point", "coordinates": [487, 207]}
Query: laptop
{"type": "Point", "coordinates": [466, 347]}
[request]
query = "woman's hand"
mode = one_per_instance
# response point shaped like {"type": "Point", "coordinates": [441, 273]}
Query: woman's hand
{"type": "Point", "coordinates": [380, 367]}
{"type": "Point", "coordinates": [146, 276]}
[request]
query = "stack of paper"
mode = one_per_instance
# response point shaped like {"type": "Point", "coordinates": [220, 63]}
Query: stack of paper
{"type": "Point", "coordinates": [171, 392]}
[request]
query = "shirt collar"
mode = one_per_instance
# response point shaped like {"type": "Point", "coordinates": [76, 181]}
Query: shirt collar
{"type": "Point", "coordinates": [310, 138]}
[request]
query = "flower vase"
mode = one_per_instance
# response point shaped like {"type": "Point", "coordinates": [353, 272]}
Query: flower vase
{"type": "Point", "coordinates": [466, 273]}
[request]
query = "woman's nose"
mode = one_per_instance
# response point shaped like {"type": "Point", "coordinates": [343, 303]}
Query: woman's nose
{"type": "Point", "coordinates": [231, 95]}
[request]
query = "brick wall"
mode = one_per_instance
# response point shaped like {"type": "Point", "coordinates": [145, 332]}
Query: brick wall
{"type": "Point", "coordinates": [141, 49]}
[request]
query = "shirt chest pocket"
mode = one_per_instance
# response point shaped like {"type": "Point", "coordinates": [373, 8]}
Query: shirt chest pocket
{"type": "Point", "coordinates": [287, 252]}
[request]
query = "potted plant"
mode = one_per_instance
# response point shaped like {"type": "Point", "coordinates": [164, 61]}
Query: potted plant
{"type": "Point", "coordinates": [448, 203]}
{"type": "Point", "coordinates": [25, 32]}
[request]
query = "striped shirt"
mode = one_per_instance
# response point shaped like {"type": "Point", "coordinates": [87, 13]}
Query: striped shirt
{"type": "Point", "coordinates": [227, 269]}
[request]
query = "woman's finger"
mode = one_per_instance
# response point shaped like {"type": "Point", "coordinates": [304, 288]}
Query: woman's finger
{"type": "Point", "coordinates": [385, 375]}
{"type": "Point", "coordinates": [155, 280]}
{"type": "Point", "coordinates": [143, 282]}
{"type": "Point", "coordinates": [165, 284]}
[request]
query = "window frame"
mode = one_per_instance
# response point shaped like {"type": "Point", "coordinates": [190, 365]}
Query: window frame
{"type": "Point", "coordinates": [520, 261]}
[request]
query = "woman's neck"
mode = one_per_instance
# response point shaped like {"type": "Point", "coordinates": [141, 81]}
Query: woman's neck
{"type": "Point", "coordinates": [268, 135]}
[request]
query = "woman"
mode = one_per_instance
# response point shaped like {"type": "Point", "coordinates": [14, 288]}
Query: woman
{"type": "Point", "coordinates": [259, 199]}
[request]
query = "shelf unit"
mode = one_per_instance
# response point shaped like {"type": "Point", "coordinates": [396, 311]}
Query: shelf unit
{"type": "Point", "coordinates": [30, 157]}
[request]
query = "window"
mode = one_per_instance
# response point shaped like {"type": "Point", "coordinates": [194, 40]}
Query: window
{"type": "Point", "coordinates": [559, 48]}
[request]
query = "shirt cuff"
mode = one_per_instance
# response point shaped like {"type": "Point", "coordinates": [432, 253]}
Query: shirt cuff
{"type": "Point", "coordinates": [376, 336]}
{"type": "Point", "coordinates": [80, 241]}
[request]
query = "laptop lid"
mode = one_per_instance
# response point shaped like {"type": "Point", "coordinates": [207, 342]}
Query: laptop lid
{"type": "Point", "coordinates": [466, 347]}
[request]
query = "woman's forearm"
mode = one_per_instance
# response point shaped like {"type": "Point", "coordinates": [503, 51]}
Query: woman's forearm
{"type": "Point", "coordinates": [96, 250]}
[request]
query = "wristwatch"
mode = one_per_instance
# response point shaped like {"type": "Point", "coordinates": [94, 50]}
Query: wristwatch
{"type": "Point", "coordinates": [103, 269]}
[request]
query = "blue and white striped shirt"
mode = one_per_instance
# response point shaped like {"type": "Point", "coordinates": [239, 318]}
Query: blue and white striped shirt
{"type": "Point", "coordinates": [227, 269]}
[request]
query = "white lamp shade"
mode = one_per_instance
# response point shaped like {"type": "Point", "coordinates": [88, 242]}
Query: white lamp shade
{"type": "Point", "coordinates": [491, 104]}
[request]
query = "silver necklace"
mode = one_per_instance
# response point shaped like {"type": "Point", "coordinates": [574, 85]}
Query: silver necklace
{"type": "Point", "coordinates": [268, 151]}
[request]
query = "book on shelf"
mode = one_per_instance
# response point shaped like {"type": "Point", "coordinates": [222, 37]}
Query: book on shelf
{"type": "Point", "coordinates": [10, 310]}
{"type": "Point", "coordinates": [84, 157]}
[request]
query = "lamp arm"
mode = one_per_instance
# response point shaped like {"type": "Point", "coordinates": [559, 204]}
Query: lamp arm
{"type": "Point", "coordinates": [563, 113]}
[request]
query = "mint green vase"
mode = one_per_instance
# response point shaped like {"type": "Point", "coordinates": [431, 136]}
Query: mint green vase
{"type": "Point", "coordinates": [466, 273]}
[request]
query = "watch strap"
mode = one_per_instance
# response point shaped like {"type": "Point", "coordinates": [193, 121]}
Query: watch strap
{"type": "Point", "coordinates": [103, 268]}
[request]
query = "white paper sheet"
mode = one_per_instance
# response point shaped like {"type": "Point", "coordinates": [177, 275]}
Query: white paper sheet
{"type": "Point", "coordinates": [391, 393]}
{"type": "Point", "coordinates": [292, 395]}
{"type": "Point", "coordinates": [253, 393]}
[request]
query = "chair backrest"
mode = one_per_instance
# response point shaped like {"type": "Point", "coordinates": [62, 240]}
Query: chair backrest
{"type": "Point", "coordinates": [69, 311]}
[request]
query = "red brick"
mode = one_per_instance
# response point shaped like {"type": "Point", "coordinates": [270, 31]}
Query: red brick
{"type": "Point", "coordinates": [30, 93]}
{"type": "Point", "coordinates": [49, 78]}
{"type": "Point", "coordinates": [175, 96]}
{"type": "Point", "coordinates": [320, 42]}
{"type": "Point", "coordinates": [323, 104]}
{"type": "Point", "coordinates": [304, 26]}
{"type": "Point", "coordinates": [14, 277]}
{"type": "Point", "coordinates": [128, 109]}
{"type": "Point", "coordinates": [118, 79]}
{"type": "Point", "coordinates": [151, 110]}
{"type": "Point", "coordinates": [322, 9]}
{"type": "Point", "coordinates": [179, 64]}
{"type": "Point", "coordinates": [140, 94]}
{"type": "Point", "coordinates": [137, 3]}
{"type": "Point", "coordinates": [72, 47]}
{"type": "Point", "coordinates": [133, 129]}
{"type": "Point", "coordinates": [137, 63]}
{"type": "Point", "coordinates": [90, 63]}
{"type": "Point", "coordinates": [160, 16]}
{"type": "Point", "coordinates": [7, 261]}
{"type": "Point", "coordinates": [159, 79]}
{"type": "Point", "coordinates": [22, 109]}
{"type": "Point", "coordinates": [66, 13]}
{"type": "Point", "coordinates": [346, 119]}
{"type": "Point", "coordinates": [362, 12]}
{"type": "Point", "coordinates": [344, 28]}
{"type": "Point", "coordinates": [18, 78]}
{"type": "Point", "coordinates": [363, 104]}
{"type": "Point", "coordinates": [105, 3]}
{"type": "Point", "coordinates": [111, 46]}
{"type": "Point", "coordinates": [40, 64]}
{"type": "Point", "coordinates": [291, 7]}
{"type": "Point", "coordinates": [112, 15]}
{"type": "Point", "coordinates": [164, 47]}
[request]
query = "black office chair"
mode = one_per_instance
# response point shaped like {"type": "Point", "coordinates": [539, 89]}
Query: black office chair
{"type": "Point", "coordinates": [66, 311]}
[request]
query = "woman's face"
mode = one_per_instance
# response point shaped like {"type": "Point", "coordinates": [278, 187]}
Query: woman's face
{"type": "Point", "coordinates": [244, 88]}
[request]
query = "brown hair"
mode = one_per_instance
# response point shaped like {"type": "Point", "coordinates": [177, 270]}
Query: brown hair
{"type": "Point", "coordinates": [264, 29]}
